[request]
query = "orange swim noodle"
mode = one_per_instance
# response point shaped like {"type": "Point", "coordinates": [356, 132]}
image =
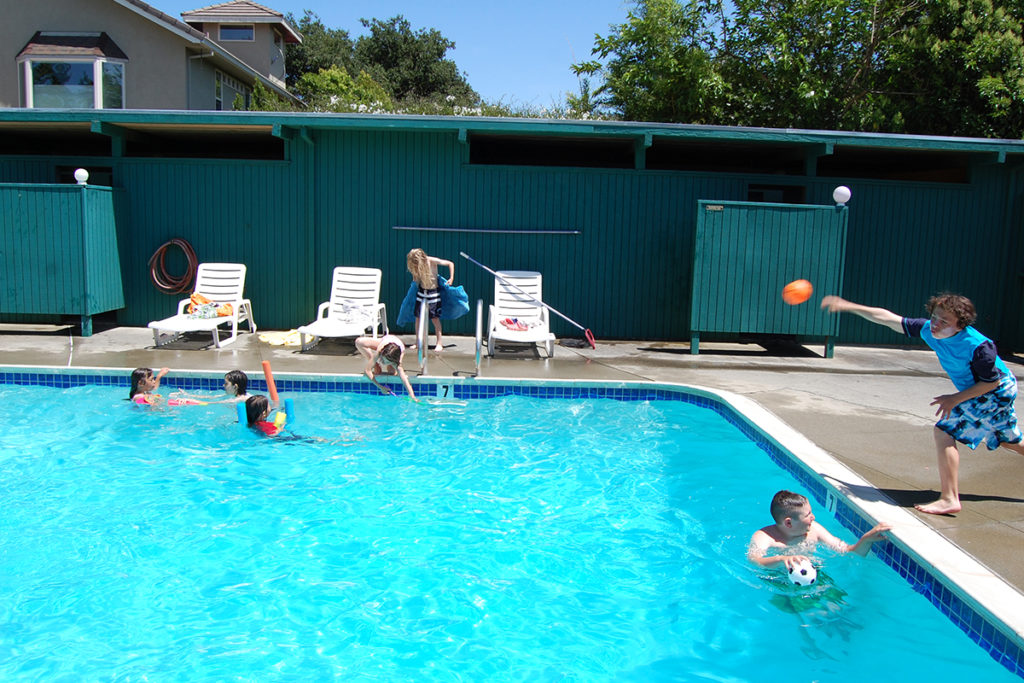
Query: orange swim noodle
{"type": "Point", "coordinates": [271, 387]}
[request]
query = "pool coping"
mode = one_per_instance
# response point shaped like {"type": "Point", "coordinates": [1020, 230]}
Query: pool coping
{"type": "Point", "coordinates": [987, 608]}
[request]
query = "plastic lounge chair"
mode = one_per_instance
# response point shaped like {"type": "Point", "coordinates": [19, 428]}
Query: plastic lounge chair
{"type": "Point", "coordinates": [516, 315]}
{"type": "Point", "coordinates": [354, 307]}
{"type": "Point", "coordinates": [221, 283]}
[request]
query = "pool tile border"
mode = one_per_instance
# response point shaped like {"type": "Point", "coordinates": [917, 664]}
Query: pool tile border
{"type": "Point", "coordinates": [1005, 649]}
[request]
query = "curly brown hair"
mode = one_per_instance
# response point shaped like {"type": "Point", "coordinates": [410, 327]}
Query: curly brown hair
{"type": "Point", "coordinates": [960, 307]}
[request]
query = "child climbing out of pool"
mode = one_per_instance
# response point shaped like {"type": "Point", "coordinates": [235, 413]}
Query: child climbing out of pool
{"type": "Point", "coordinates": [384, 356]}
{"type": "Point", "coordinates": [981, 410]}
{"type": "Point", "coordinates": [795, 534]}
{"type": "Point", "coordinates": [430, 288]}
{"type": "Point", "coordinates": [144, 384]}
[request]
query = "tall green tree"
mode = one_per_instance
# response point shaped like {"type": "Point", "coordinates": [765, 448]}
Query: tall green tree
{"type": "Point", "coordinates": [812, 63]}
{"type": "Point", "coordinates": [658, 65]}
{"type": "Point", "coordinates": [321, 48]}
{"type": "Point", "coordinates": [412, 65]}
{"type": "Point", "coordinates": [951, 67]}
{"type": "Point", "coordinates": [959, 70]}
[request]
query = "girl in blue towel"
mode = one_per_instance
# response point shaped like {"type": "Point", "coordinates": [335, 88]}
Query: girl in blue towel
{"type": "Point", "coordinates": [424, 273]}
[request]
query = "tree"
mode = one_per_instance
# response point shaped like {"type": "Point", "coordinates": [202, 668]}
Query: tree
{"type": "Point", "coordinates": [411, 65]}
{"type": "Point", "coordinates": [949, 67]}
{"type": "Point", "coordinates": [959, 71]}
{"type": "Point", "coordinates": [334, 90]}
{"type": "Point", "coordinates": [661, 63]}
{"type": "Point", "coordinates": [321, 48]}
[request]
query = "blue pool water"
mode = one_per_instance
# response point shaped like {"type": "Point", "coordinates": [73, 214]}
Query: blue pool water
{"type": "Point", "coordinates": [507, 539]}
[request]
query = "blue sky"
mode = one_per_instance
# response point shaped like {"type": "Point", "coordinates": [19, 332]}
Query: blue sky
{"type": "Point", "coordinates": [517, 52]}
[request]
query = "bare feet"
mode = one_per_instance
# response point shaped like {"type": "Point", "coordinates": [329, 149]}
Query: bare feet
{"type": "Point", "coordinates": [439, 348]}
{"type": "Point", "coordinates": [940, 507]}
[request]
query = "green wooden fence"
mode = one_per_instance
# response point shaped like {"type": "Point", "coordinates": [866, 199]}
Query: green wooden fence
{"type": "Point", "coordinates": [58, 251]}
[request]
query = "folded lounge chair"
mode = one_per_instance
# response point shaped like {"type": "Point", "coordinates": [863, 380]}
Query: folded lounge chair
{"type": "Point", "coordinates": [353, 309]}
{"type": "Point", "coordinates": [220, 284]}
{"type": "Point", "coordinates": [517, 315]}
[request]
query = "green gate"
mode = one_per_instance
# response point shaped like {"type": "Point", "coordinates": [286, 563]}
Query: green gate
{"type": "Point", "coordinates": [746, 252]}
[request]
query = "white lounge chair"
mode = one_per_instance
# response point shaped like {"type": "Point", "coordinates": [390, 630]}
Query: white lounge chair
{"type": "Point", "coordinates": [221, 283]}
{"type": "Point", "coordinates": [354, 307]}
{"type": "Point", "coordinates": [517, 297]}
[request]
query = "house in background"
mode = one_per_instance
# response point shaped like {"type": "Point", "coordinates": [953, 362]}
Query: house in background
{"type": "Point", "coordinates": [126, 54]}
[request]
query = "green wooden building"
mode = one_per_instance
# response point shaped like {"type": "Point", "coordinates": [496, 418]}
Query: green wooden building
{"type": "Point", "coordinates": [607, 211]}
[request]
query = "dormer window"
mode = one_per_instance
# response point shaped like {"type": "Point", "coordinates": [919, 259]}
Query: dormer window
{"type": "Point", "coordinates": [237, 32]}
{"type": "Point", "coordinates": [73, 71]}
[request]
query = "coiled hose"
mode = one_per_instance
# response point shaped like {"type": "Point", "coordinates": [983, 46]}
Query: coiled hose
{"type": "Point", "coordinates": [163, 280]}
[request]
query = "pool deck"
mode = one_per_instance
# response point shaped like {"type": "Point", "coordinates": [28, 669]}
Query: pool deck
{"type": "Point", "coordinates": [867, 406]}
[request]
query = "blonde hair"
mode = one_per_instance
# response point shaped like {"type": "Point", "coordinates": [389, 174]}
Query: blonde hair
{"type": "Point", "coordinates": [422, 270]}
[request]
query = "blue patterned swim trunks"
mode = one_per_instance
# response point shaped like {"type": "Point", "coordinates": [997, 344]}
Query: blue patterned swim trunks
{"type": "Point", "coordinates": [989, 418]}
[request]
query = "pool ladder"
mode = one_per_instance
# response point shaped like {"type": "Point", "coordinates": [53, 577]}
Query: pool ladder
{"type": "Point", "coordinates": [422, 328]}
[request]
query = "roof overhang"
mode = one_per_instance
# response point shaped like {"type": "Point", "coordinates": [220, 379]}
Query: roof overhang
{"type": "Point", "coordinates": [814, 142]}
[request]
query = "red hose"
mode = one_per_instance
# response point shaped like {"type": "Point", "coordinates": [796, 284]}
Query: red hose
{"type": "Point", "coordinates": [163, 280]}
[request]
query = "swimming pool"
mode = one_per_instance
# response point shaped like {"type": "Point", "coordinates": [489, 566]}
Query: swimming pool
{"type": "Point", "coordinates": [432, 543]}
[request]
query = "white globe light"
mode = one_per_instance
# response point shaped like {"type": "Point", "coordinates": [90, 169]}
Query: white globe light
{"type": "Point", "coordinates": [841, 194]}
{"type": "Point", "coordinates": [81, 176]}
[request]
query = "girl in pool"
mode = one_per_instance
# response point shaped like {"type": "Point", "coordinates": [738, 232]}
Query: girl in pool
{"type": "Point", "coordinates": [236, 386]}
{"type": "Point", "coordinates": [257, 410]}
{"type": "Point", "coordinates": [384, 355]}
{"type": "Point", "coordinates": [144, 383]}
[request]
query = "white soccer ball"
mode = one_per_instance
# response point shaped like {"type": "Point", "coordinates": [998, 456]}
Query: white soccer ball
{"type": "Point", "coordinates": [803, 573]}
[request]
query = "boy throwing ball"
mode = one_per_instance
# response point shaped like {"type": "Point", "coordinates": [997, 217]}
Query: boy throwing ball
{"type": "Point", "coordinates": [981, 410]}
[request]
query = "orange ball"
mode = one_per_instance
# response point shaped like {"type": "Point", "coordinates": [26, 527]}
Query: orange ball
{"type": "Point", "coordinates": [797, 292]}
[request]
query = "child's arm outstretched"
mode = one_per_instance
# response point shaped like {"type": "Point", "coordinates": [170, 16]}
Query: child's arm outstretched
{"type": "Point", "coordinates": [879, 316]}
{"type": "Point", "coordinates": [408, 385]}
{"type": "Point", "coordinates": [861, 547]}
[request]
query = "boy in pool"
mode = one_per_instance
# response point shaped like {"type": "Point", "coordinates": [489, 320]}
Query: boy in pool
{"type": "Point", "coordinates": [384, 356]}
{"type": "Point", "coordinates": [981, 410]}
{"type": "Point", "coordinates": [796, 531]}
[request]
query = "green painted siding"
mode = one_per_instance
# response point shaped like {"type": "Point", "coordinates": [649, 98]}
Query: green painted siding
{"type": "Point", "coordinates": [347, 183]}
{"type": "Point", "coordinates": [746, 252]}
{"type": "Point", "coordinates": [58, 250]}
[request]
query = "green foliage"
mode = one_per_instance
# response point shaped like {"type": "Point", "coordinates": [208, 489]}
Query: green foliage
{"type": "Point", "coordinates": [661, 64]}
{"type": "Point", "coordinates": [411, 64]}
{"type": "Point", "coordinates": [264, 99]}
{"type": "Point", "coordinates": [335, 91]}
{"type": "Point", "coordinates": [948, 67]}
{"type": "Point", "coordinates": [321, 48]}
{"type": "Point", "coordinates": [960, 70]}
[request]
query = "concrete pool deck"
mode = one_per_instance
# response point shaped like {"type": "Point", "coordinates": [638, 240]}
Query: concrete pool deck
{"type": "Point", "coordinates": [868, 406]}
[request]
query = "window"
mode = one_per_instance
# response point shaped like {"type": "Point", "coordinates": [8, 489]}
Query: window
{"type": "Point", "coordinates": [93, 84]}
{"type": "Point", "coordinates": [237, 32]}
{"type": "Point", "coordinates": [73, 71]}
{"type": "Point", "coordinates": [228, 88]}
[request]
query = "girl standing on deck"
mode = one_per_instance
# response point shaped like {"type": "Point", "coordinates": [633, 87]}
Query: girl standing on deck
{"type": "Point", "coordinates": [443, 300]}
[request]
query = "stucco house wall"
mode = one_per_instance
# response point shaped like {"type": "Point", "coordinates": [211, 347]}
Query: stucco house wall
{"type": "Point", "coordinates": [154, 75]}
